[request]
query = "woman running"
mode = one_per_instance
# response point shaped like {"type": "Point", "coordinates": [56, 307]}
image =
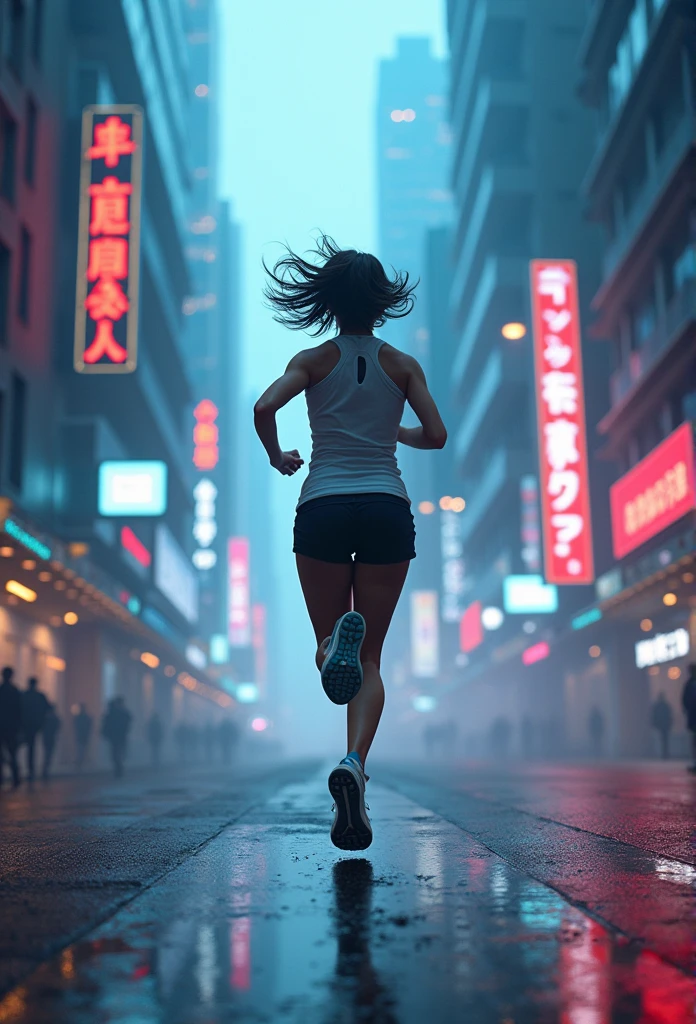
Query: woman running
{"type": "Point", "coordinates": [354, 533]}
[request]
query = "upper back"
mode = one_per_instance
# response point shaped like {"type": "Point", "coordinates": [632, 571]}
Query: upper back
{"type": "Point", "coordinates": [323, 359]}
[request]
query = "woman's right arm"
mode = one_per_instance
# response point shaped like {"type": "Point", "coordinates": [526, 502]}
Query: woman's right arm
{"type": "Point", "coordinates": [432, 432]}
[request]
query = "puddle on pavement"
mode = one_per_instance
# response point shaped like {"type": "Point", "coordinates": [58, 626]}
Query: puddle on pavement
{"type": "Point", "coordinates": [268, 923]}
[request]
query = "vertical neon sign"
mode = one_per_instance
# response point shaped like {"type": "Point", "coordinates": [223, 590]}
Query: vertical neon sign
{"type": "Point", "coordinates": [564, 475]}
{"type": "Point", "coordinates": [239, 608]}
{"type": "Point", "coordinates": [108, 253]}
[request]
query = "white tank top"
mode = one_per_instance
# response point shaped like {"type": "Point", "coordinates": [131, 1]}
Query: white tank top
{"type": "Point", "coordinates": [354, 425]}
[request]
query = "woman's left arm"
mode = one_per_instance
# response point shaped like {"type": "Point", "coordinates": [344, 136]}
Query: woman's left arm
{"type": "Point", "coordinates": [293, 382]}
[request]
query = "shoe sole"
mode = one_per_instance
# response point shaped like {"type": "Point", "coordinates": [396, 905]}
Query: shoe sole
{"type": "Point", "coordinates": [341, 673]}
{"type": "Point", "coordinates": [349, 831]}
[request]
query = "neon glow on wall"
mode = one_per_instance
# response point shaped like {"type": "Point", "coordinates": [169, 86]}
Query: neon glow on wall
{"type": "Point", "coordinates": [108, 253]}
{"type": "Point", "coordinates": [239, 607]}
{"type": "Point", "coordinates": [564, 476]}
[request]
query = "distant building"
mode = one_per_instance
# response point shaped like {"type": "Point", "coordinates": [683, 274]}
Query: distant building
{"type": "Point", "coordinates": [413, 146]}
{"type": "Point", "coordinates": [93, 602]}
{"type": "Point", "coordinates": [521, 141]}
{"type": "Point", "coordinates": [638, 63]}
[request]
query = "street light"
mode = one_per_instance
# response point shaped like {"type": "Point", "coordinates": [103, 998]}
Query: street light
{"type": "Point", "coordinates": [513, 331]}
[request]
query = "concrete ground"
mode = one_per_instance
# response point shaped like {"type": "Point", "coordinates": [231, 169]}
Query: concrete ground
{"type": "Point", "coordinates": [530, 894]}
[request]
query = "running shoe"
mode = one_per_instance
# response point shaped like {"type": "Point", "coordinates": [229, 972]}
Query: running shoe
{"type": "Point", "coordinates": [341, 672]}
{"type": "Point", "coordinates": [351, 828]}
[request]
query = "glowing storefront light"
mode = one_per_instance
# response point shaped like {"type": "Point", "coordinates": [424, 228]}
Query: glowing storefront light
{"type": "Point", "coordinates": [586, 618]}
{"type": "Point", "coordinates": [471, 628]}
{"type": "Point", "coordinates": [132, 488]}
{"type": "Point", "coordinates": [108, 262]}
{"type": "Point", "coordinates": [662, 647]}
{"type": "Point", "coordinates": [564, 474]}
{"type": "Point", "coordinates": [219, 649]}
{"type": "Point", "coordinates": [135, 547]}
{"type": "Point", "coordinates": [492, 618]}
{"type": "Point", "coordinates": [247, 693]}
{"type": "Point", "coordinates": [196, 656]}
{"type": "Point", "coordinates": [174, 576]}
{"type": "Point", "coordinates": [424, 703]}
{"type": "Point", "coordinates": [529, 595]}
{"type": "Point", "coordinates": [536, 653]}
{"type": "Point", "coordinates": [20, 591]}
{"type": "Point", "coordinates": [26, 539]}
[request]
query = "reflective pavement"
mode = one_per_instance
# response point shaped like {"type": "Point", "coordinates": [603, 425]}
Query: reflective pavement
{"type": "Point", "coordinates": [441, 919]}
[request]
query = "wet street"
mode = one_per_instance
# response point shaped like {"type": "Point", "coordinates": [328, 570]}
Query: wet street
{"type": "Point", "coordinates": [534, 894]}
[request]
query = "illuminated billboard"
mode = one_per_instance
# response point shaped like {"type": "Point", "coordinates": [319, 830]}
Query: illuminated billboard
{"type": "Point", "coordinates": [657, 492]}
{"type": "Point", "coordinates": [424, 634]}
{"type": "Point", "coordinates": [132, 488]}
{"type": "Point", "coordinates": [471, 628]}
{"type": "Point", "coordinates": [564, 476]}
{"type": "Point", "coordinates": [453, 570]}
{"type": "Point", "coordinates": [108, 248]}
{"type": "Point", "coordinates": [174, 576]}
{"type": "Point", "coordinates": [662, 647]}
{"type": "Point", "coordinates": [238, 592]}
{"type": "Point", "coordinates": [529, 595]}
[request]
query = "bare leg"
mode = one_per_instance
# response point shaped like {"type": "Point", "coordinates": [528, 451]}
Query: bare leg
{"type": "Point", "coordinates": [327, 590]}
{"type": "Point", "coordinates": [376, 590]}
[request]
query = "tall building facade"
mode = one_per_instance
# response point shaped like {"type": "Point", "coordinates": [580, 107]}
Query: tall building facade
{"type": "Point", "coordinates": [638, 69]}
{"type": "Point", "coordinates": [520, 143]}
{"type": "Point", "coordinates": [99, 599]}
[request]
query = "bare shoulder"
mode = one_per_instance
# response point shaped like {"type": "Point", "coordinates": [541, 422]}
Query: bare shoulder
{"type": "Point", "coordinates": [398, 365]}
{"type": "Point", "coordinates": [318, 361]}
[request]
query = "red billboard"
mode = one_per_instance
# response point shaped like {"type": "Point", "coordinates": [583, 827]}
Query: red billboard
{"type": "Point", "coordinates": [657, 492]}
{"type": "Point", "coordinates": [108, 252]}
{"type": "Point", "coordinates": [239, 607]}
{"type": "Point", "coordinates": [471, 628]}
{"type": "Point", "coordinates": [564, 477]}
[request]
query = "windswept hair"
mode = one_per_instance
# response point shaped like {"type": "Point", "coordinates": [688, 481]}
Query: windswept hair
{"type": "Point", "coordinates": [344, 283]}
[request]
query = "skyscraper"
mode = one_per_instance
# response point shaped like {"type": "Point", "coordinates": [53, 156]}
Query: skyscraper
{"type": "Point", "coordinates": [413, 144]}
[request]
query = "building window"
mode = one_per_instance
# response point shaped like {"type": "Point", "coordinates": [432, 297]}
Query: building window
{"type": "Point", "coordinates": [17, 426]}
{"type": "Point", "coordinates": [14, 35]}
{"type": "Point", "coordinates": [8, 156]}
{"type": "Point", "coordinates": [30, 141]}
{"type": "Point", "coordinates": [37, 30]}
{"type": "Point", "coordinates": [24, 275]}
{"type": "Point", "coordinates": [629, 54]}
{"type": "Point", "coordinates": [644, 322]}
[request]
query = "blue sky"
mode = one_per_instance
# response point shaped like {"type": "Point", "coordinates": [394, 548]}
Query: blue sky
{"type": "Point", "coordinates": [298, 94]}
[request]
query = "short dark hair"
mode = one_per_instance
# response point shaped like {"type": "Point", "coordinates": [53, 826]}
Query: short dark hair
{"type": "Point", "coordinates": [33, 681]}
{"type": "Point", "coordinates": [345, 284]}
{"type": "Point", "coordinates": [7, 672]}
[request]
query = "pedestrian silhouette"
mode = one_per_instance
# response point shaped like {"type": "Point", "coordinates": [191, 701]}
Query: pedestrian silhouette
{"type": "Point", "coordinates": [595, 728]}
{"type": "Point", "coordinates": [689, 705]}
{"type": "Point", "coordinates": [34, 708]}
{"type": "Point", "coordinates": [10, 723]}
{"type": "Point", "coordinates": [661, 719]}
{"type": "Point", "coordinates": [82, 725]}
{"type": "Point", "coordinates": [155, 732]}
{"type": "Point", "coordinates": [115, 728]}
{"type": "Point", "coordinates": [49, 735]}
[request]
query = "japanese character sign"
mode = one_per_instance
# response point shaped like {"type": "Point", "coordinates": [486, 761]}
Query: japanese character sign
{"type": "Point", "coordinates": [657, 492]}
{"type": "Point", "coordinates": [564, 476]}
{"type": "Point", "coordinates": [106, 314]}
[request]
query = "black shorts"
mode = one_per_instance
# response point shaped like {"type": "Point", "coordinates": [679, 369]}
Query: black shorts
{"type": "Point", "coordinates": [377, 529]}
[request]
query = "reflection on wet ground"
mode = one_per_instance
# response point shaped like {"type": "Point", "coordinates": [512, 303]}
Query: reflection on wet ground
{"type": "Point", "coordinates": [267, 923]}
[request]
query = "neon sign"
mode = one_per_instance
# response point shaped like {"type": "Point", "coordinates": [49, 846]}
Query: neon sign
{"type": "Point", "coordinates": [239, 606]}
{"type": "Point", "coordinates": [657, 492]}
{"type": "Point", "coordinates": [205, 435]}
{"type": "Point", "coordinates": [565, 489]}
{"type": "Point", "coordinates": [204, 524]}
{"type": "Point", "coordinates": [108, 254]}
{"type": "Point", "coordinates": [425, 660]}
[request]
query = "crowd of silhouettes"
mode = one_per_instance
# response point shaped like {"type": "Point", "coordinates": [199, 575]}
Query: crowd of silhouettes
{"type": "Point", "coordinates": [26, 716]}
{"type": "Point", "coordinates": [29, 722]}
